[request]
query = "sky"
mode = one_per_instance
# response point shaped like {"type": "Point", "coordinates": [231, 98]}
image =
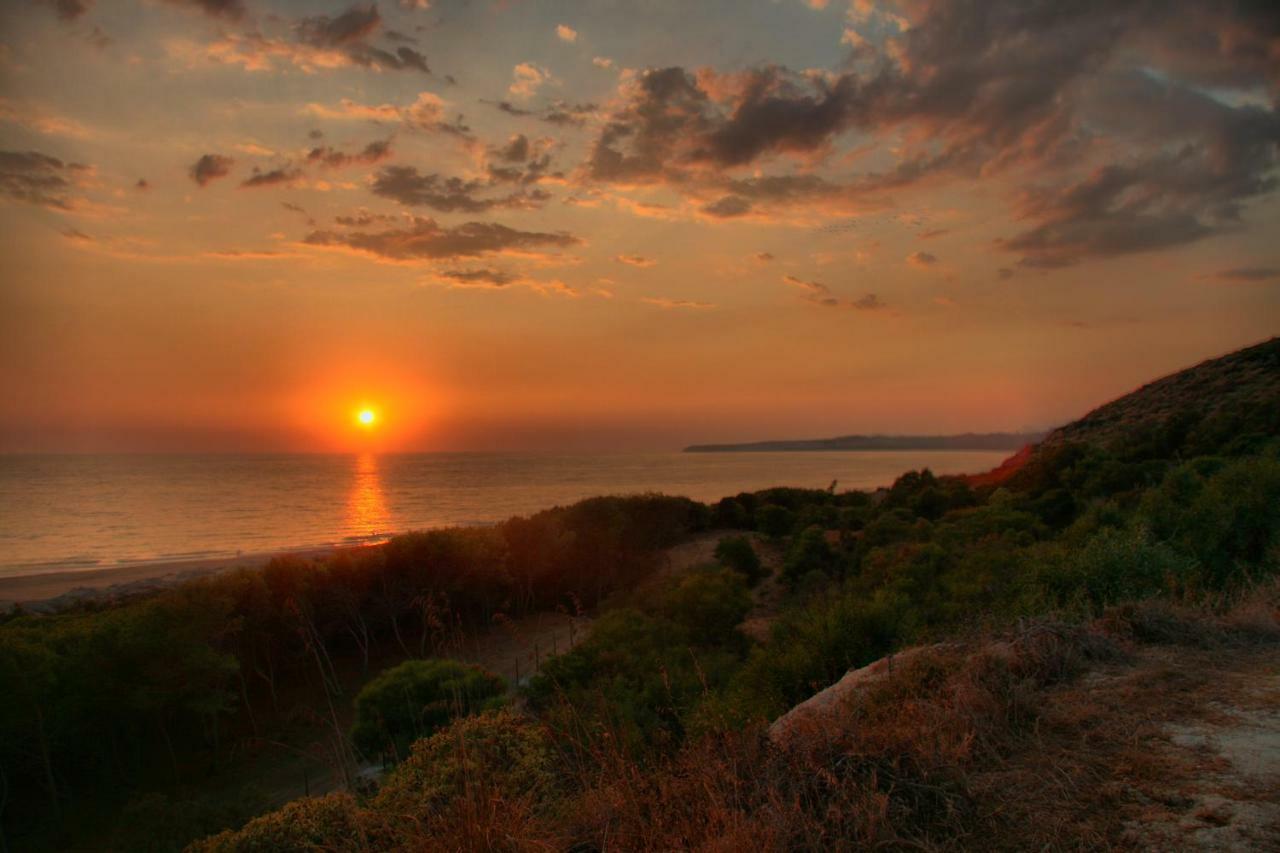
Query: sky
{"type": "Point", "coordinates": [620, 224]}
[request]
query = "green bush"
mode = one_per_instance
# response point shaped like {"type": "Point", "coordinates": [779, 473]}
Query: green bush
{"type": "Point", "coordinates": [416, 698]}
{"type": "Point", "coordinates": [775, 521]}
{"type": "Point", "coordinates": [809, 553]}
{"type": "Point", "coordinates": [735, 552]}
{"type": "Point", "coordinates": [1113, 566]}
{"type": "Point", "coordinates": [332, 822]}
{"type": "Point", "coordinates": [708, 604]}
{"type": "Point", "coordinates": [507, 756]}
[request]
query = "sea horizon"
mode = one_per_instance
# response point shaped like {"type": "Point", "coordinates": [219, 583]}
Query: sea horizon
{"type": "Point", "coordinates": [74, 512]}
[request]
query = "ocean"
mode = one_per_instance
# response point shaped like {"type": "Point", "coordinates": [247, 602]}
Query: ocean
{"type": "Point", "coordinates": [64, 512]}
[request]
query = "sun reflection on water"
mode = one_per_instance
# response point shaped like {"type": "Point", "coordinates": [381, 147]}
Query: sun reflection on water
{"type": "Point", "coordinates": [367, 513]}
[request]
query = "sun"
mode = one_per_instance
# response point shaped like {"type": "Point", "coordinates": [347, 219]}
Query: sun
{"type": "Point", "coordinates": [366, 417]}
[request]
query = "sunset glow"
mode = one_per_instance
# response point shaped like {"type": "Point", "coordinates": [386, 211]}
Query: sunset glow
{"type": "Point", "coordinates": [366, 417]}
{"type": "Point", "coordinates": [787, 219]}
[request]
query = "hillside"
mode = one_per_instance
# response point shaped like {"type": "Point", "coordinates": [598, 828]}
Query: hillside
{"type": "Point", "coordinates": [966, 441]}
{"type": "Point", "coordinates": [1224, 406]}
{"type": "Point", "coordinates": [1244, 382]}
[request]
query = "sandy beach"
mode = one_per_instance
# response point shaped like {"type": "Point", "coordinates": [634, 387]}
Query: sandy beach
{"type": "Point", "coordinates": [52, 590]}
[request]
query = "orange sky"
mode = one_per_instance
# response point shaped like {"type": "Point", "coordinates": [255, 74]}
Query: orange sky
{"type": "Point", "coordinates": [226, 225]}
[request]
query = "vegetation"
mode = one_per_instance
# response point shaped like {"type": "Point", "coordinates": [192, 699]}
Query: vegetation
{"type": "Point", "coordinates": [414, 699]}
{"type": "Point", "coordinates": [649, 733]}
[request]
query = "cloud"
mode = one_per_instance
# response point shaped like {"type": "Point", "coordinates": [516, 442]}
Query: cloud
{"type": "Point", "coordinates": [515, 151]}
{"type": "Point", "coordinates": [819, 294]}
{"type": "Point", "coordinates": [488, 278]}
{"type": "Point", "coordinates": [69, 10]}
{"type": "Point", "coordinates": [41, 120]}
{"type": "Point", "coordinates": [1060, 97]}
{"type": "Point", "coordinates": [427, 112]}
{"type": "Point", "coordinates": [426, 240]}
{"type": "Point", "coordinates": [447, 194]}
{"type": "Point", "coordinates": [559, 113]}
{"type": "Point", "coordinates": [313, 43]}
{"type": "Point", "coordinates": [727, 207]}
{"type": "Point", "coordinates": [232, 10]}
{"type": "Point", "coordinates": [1247, 274]}
{"type": "Point", "coordinates": [527, 79]}
{"type": "Point", "coordinates": [923, 260]}
{"type": "Point", "coordinates": [602, 62]}
{"type": "Point", "coordinates": [35, 178]}
{"type": "Point", "coordinates": [332, 158]}
{"type": "Point", "coordinates": [664, 302]}
{"type": "Point", "coordinates": [210, 167]}
{"type": "Point", "coordinates": [566, 33]}
{"type": "Point", "coordinates": [635, 261]}
{"type": "Point", "coordinates": [764, 257]}
{"type": "Point", "coordinates": [363, 219]}
{"type": "Point", "coordinates": [351, 27]}
{"type": "Point", "coordinates": [283, 175]}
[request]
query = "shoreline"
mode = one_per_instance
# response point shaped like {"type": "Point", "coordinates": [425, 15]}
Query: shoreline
{"type": "Point", "coordinates": [56, 589]}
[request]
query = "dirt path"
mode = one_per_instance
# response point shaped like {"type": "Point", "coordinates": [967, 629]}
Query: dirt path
{"type": "Point", "coordinates": [1175, 748]}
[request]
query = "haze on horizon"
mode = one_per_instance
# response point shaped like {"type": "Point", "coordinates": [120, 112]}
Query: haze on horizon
{"type": "Point", "coordinates": [230, 224]}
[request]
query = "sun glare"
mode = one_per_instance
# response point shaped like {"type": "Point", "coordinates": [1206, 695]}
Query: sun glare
{"type": "Point", "coordinates": [366, 417]}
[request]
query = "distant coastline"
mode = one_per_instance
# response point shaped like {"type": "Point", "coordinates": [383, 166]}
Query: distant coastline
{"type": "Point", "coordinates": [965, 441]}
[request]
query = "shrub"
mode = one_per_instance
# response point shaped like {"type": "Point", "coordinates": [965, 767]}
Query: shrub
{"type": "Point", "coordinates": [774, 521]}
{"type": "Point", "coordinates": [1111, 567]}
{"type": "Point", "coordinates": [332, 822]}
{"type": "Point", "coordinates": [496, 755]}
{"type": "Point", "coordinates": [736, 553]}
{"type": "Point", "coordinates": [809, 553]}
{"type": "Point", "coordinates": [708, 604]}
{"type": "Point", "coordinates": [418, 697]}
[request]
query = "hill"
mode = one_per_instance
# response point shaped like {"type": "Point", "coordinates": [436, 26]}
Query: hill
{"type": "Point", "coordinates": [1225, 406]}
{"type": "Point", "coordinates": [966, 441]}
{"type": "Point", "coordinates": [1245, 382]}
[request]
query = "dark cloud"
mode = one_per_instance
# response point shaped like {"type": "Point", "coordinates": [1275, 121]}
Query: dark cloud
{"type": "Point", "coordinates": [232, 10]}
{"type": "Point", "coordinates": [425, 239]}
{"type": "Point", "coordinates": [515, 151]}
{"type": "Point", "coordinates": [1248, 274]}
{"type": "Point", "coordinates": [922, 259]}
{"type": "Point", "coordinates": [315, 134]}
{"type": "Point", "coordinates": [271, 178]}
{"type": "Point", "coordinates": [482, 277]}
{"type": "Point", "coordinates": [351, 27]}
{"type": "Point", "coordinates": [1105, 105]}
{"type": "Point", "coordinates": [559, 113]}
{"type": "Point", "coordinates": [527, 162]}
{"type": "Point", "coordinates": [764, 257]}
{"type": "Point", "coordinates": [69, 10]}
{"type": "Point", "coordinates": [349, 32]}
{"type": "Point", "coordinates": [36, 178]}
{"type": "Point", "coordinates": [363, 219]}
{"type": "Point", "coordinates": [210, 167]}
{"type": "Point", "coordinates": [142, 184]}
{"type": "Point", "coordinates": [819, 294]}
{"type": "Point", "coordinates": [77, 235]}
{"type": "Point", "coordinates": [635, 260]}
{"type": "Point", "coordinates": [728, 207]}
{"type": "Point", "coordinates": [333, 158]}
{"type": "Point", "coordinates": [447, 195]}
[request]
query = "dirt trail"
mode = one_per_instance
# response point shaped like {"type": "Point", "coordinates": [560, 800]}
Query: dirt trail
{"type": "Point", "coordinates": [1174, 748]}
